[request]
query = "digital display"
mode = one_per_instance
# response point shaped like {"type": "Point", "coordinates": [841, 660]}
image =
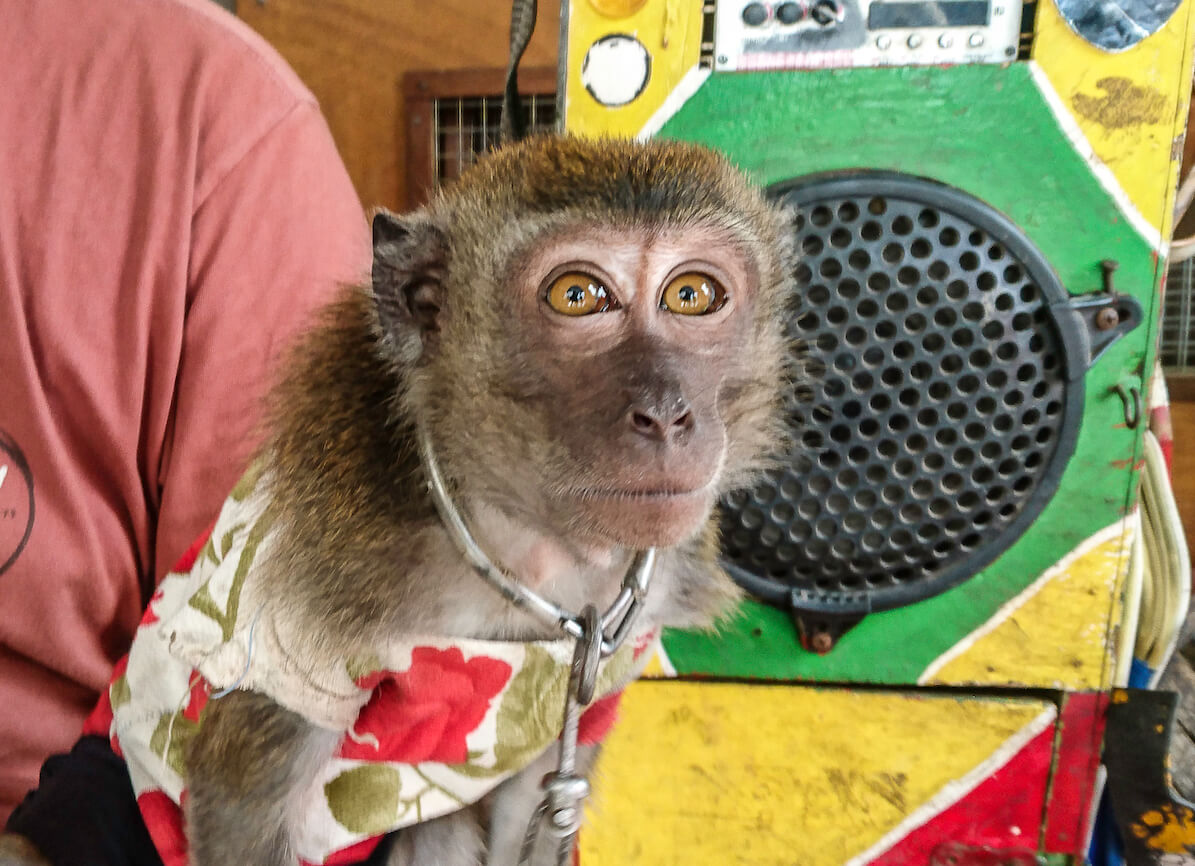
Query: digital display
{"type": "Point", "coordinates": [950, 13]}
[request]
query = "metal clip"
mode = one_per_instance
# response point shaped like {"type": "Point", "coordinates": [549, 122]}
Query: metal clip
{"type": "Point", "coordinates": [564, 791]}
{"type": "Point", "coordinates": [1131, 398]}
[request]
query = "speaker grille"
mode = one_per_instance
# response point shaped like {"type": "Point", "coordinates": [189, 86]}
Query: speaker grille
{"type": "Point", "coordinates": [939, 416]}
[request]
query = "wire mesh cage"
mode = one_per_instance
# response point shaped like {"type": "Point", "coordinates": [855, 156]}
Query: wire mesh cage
{"type": "Point", "coordinates": [465, 127]}
{"type": "Point", "coordinates": [1176, 343]}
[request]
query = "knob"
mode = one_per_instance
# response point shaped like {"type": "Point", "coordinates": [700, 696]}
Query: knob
{"type": "Point", "coordinates": [915, 40]}
{"type": "Point", "coordinates": [975, 40]}
{"type": "Point", "coordinates": [945, 40]}
{"type": "Point", "coordinates": [883, 42]}
{"type": "Point", "coordinates": [789, 13]}
{"type": "Point", "coordinates": [755, 14]}
{"type": "Point", "coordinates": [826, 12]}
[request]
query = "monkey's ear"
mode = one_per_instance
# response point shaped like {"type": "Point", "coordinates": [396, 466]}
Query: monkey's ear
{"type": "Point", "coordinates": [409, 259]}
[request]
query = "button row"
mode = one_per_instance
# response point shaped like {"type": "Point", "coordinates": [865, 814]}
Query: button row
{"type": "Point", "coordinates": [824, 12]}
{"type": "Point", "coordinates": [915, 40]}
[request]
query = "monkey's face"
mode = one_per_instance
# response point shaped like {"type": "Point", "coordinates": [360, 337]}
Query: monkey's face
{"type": "Point", "coordinates": [591, 333]}
{"type": "Point", "coordinates": [627, 363]}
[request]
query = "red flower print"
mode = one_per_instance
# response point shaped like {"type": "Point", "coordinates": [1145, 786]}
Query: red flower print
{"type": "Point", "coordinates": [201, 691]}
{"type": "Point", "coordinates": [151, 615]}
{"type": "Point", "coordinates": [644, 641]}
{"type": "Point", "coordinates": [187, 560]}
{"type": "Point", "coordinates": [425, 712]}
{"type": "Point", "coordinates": [164, 820]}
{"type": "Point", "coordinates": [598, 719]}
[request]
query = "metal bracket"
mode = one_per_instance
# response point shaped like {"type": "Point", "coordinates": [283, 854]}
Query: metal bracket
{"type": "Point", "coordinates": [1096, 321]}
{"type": "Point", "coordinates": [822, 618]}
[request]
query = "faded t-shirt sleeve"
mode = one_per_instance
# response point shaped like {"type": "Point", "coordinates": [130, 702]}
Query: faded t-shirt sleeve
{"type": "Point", "coordinates": [275, 238]}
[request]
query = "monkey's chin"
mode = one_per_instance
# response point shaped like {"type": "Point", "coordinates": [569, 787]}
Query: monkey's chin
{"type": "Point", "coordinates": [646, 520]}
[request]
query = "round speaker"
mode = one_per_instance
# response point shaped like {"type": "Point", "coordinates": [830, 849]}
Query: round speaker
{"type": "Point", "coordinates": [938, 414]}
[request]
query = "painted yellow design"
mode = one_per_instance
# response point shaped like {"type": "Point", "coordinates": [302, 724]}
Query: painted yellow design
{"type": "Point", "coordinates": [1169, 830]}
{"type": "Point", "coordinates": [654, 669]}
{"type": "Point", "coordinates": [670, 30]}
{"type": "Point", "coordinates": [1131, 107]}
{"type": "Point", "coordinates": [777, 775]}
{"type": "Point", "coordinates": [617, 8]}
{"type": "Point", "coordinates": [1057, 633]}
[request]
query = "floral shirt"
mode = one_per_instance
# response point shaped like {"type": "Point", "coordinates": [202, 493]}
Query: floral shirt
{"type": "Point", "coordinates": [430, 724]}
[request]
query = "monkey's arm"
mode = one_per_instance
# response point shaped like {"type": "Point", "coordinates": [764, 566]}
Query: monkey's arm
{"type": "Point", "coordinates": [246, 767]}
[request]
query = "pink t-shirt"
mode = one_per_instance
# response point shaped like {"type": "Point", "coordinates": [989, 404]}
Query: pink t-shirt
{"type": "Point", "coordinates": [172, 207]}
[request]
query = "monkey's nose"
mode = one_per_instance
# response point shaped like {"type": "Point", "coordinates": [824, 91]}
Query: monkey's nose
{"type": "Point", "coordinates": [661, 423]}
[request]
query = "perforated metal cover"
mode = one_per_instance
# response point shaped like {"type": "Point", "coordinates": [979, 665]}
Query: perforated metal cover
{"type": "Point", "coordinates": [939, 416]}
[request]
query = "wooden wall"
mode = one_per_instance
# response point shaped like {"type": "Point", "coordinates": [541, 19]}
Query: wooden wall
{"type": "Point", "coordinates": [1182, 415]}
{"type": "Point", "coordinates": [353, 54]}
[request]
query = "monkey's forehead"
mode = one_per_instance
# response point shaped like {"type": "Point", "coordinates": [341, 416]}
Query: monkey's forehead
{"type": "Point", "coordinates": [511, 247]}
{"type": "Point", "coordinates": [612, 177]}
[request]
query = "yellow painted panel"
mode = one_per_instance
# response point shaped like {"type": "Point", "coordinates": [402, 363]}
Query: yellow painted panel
{"type": "Point", "coordinates": [725, 773]}
{"type": "Point", "coordinates": [670, 30]}
{"type": "Point", "coordinates": [1057, 631]}
{"type": "Point", "coordinates": [1132, 106]}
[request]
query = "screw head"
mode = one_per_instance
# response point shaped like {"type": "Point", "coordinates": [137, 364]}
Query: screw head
{"type": "Point", "coordinates": [1107, 319]}
{"type": "Point", "coordinates": [822, 642]}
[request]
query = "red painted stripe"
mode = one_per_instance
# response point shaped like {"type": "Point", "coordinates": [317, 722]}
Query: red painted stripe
{"type": "Point", "coordinates": [1003, 811]}
{"type": "Point", "coordinates": [1081, 726]}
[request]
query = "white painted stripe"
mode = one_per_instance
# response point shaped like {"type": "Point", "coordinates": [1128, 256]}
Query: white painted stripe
{"type": "Point", "coordinates": [955, 790]}
{"type": "Point", "coordinates": [1103, 174]}
{"type": "Point", "coordinates": [1006, 610]}
{"type": "Point", "coordinates": [689, 84]}
{"type": "Point", "coordinates": [667, 668]}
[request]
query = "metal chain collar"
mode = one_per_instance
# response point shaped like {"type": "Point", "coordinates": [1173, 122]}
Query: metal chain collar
{"type": "Point", "coordinates": [597, 638]}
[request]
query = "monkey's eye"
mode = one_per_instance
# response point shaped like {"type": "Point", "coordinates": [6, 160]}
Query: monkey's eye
{"type": "Point", "coordinates": [578, 294]}
{"type": "Point", "coordinates": [693, 294]}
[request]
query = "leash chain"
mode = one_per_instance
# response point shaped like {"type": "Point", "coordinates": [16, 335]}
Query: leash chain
{"type": "Point", "coordinates": [560, 811]}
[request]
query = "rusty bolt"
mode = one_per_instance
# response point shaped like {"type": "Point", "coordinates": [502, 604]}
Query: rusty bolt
{"type": "Point", "coordinates": [822, 642]}
{"type": "Point", "coordinates": [1107, 319]}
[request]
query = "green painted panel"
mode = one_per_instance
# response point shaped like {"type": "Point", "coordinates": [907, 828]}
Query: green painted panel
{"type": "Point", "coordinates": [986, 130]}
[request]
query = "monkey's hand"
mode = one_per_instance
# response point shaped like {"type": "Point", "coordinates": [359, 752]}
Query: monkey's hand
{"type": "Point", "coordinates": [18, 851]}
{"type": "Point", "coordinates": [245, 768]}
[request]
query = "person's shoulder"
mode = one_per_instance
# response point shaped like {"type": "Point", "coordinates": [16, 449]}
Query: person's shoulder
{"type": "Point", "coordinates": [200, 30]}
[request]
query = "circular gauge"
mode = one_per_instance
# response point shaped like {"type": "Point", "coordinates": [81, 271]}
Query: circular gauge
{"type": "Point", "coordinates": [616, 70]}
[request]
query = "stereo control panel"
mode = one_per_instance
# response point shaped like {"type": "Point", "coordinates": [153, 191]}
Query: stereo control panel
{"type": "Point", "coordinates": [817, 34]}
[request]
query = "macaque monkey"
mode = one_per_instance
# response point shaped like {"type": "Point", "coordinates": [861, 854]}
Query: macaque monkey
{"type": "Point", "coordinates": [589, 337]}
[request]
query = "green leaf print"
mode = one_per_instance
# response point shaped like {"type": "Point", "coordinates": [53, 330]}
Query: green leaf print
{"type": "Point", "coordinates": [248, 482]}
{"type": "Point", "coordinates": [119, 693]}
{"type": "Point", "coordinates": [228, 539]}
{"type": "Point", "coordinates": [365, 798]}
{"type": "Point", "coordinates": [532, 710]}
{"type": "Point", "coordinates": [202, 600]}
{"type": "Point", "coordinates": [170, 739]}
{"type": "Point", "coordinates": [360, 666]}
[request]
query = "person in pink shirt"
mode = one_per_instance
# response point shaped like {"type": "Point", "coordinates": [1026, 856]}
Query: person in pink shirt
{"type": "Point", "coordinates": [172, 209]}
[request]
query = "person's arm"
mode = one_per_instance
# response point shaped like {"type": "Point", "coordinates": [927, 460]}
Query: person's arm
{"type": "Point", "coordinates": [271, 243]}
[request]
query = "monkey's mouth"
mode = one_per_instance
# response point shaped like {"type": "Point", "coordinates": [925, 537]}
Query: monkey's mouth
{"type": "Point", "coordinates": [640, 494]}
{"type": "Point", "coordinates": [651, 515]}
